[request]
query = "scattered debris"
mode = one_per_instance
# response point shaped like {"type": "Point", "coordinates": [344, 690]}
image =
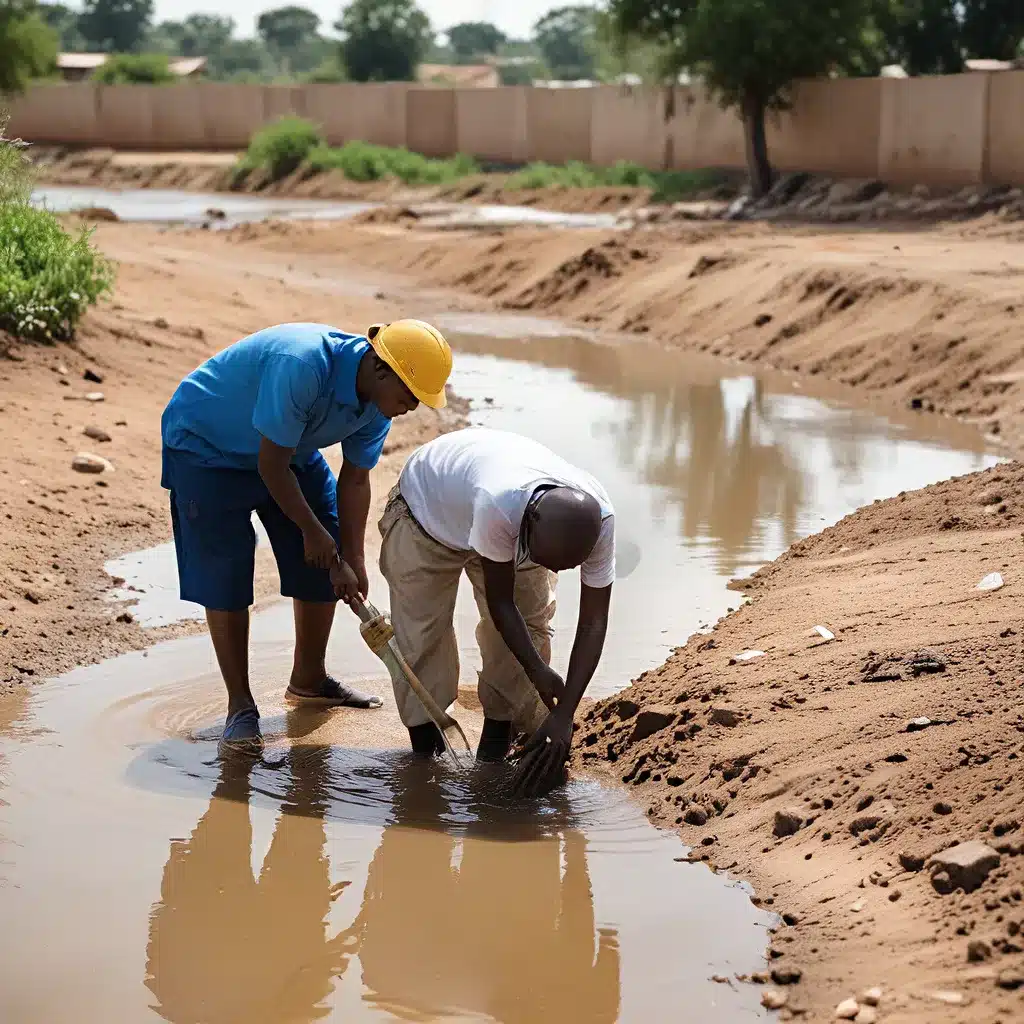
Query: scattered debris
{"type": "Point", "coordinates": [856, 908]}
{"type": "Point", "coordinates": [978, 951]}
{"type": "Point", "coordinates": [917, 724]}
{"type": "Point", "coordinates": [746, 656]}
{"type": "Point", "coordinates": [871, 996]}
{"type": "Point", "coordinates": [96, 433]}
{"type": "Point", "coordinates": [949, 998]}
{"type": "Point", "coordinates": [92, 376]}
{"type": "Point", "coordinates": [788, 822]}
{"type": "Point", "coordinates": [728, 717]}
{"type": "Point", "coordinates": [86, 462]}
{"type": "Point", "coordinates": [787, 975]}
{"type": "Point", "coordinates": [963, 867]}
{"type": "Point", "coordinates": [773, 999]}
{"type": "Point", "coordinates": [993, 581]}
{"type": "Point", "coordinates": [825, 633]}
{"type": "Point", "coordinates": [866, 1015]}
{"type": "Point", "coordinates": [847, 1009]}
{"type": "Point", "coordinates": [1011, 979]}
{"type": "Point", "coordinates": [94, 396]}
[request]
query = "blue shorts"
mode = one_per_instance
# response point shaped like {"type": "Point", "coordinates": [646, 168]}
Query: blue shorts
{"type": "Point", "coordinates": [211, 512]}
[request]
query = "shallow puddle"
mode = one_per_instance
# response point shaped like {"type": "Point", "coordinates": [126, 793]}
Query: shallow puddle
{"type": "Point", "coordinates": [142, 879]}
{"type": "Point", "coordinates": [173, 206]}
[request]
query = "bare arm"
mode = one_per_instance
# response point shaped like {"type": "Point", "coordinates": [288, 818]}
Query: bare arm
{"type": "Point", "coordinates": [353, 510]}
{"type": "Point", "coordinates": [591, 629]}
{"type": "Point", "coordinates": [499, 589]}
{"type": "Point", "coordinates": [274, 464]}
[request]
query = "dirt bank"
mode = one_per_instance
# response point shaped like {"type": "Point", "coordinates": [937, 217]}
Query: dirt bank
{"type": "Point", "coordinates": [170, 311]}
{"type": "Point", "coordinates": [818, 739]}
{"type": "Point", "coordinates": [925, 319]}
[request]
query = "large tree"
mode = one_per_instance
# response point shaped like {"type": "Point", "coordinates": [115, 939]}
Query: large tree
{"type": "Point", "coordinates": [115, 26]}
{"type": "Point", "coordinates": [750, 52]}
{"type": "Point", "coordinates": [28, 46]}
{"type": "Point", "coordinates": [383, 40]}
{"type": "Point", "coordinates": [993, 28]}
{"type": "Point", "coordinates": [472, 40]}
{"type": "Point", "coordinates": [566, 40]}
{"type": "Point", "coordinates": [284, 29]}
{"type": "Point", "coordinates": [64, 21]}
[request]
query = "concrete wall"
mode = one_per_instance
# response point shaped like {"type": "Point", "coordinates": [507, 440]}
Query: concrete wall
{"type": "Point", "coordinates": [558, 124]}
{"type": "Point", "coordinates": [933, 129]}
{"type": "Point", "coordinates": [492, 123]}
{"type": "Point", "coordinates": [430, 122]}
{"type": "Point", "coordinates": [833, 127]}
{"type": "Point", "coordinates": [1005, 127]}
{"type": "Point", "coordinates": [627, 124]}
{"type": "Point", "coordinates": [949, 130]}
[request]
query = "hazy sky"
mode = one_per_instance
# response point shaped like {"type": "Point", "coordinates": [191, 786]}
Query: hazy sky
{"type": "Point", "coordinates": [513, 17]}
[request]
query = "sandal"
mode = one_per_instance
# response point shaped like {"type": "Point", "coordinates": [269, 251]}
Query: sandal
{"type": "Point", "coordinates": [334, 695]}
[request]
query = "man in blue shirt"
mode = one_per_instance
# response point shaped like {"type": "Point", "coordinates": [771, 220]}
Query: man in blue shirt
{"type": "Point", "coordinates": [243, 434]}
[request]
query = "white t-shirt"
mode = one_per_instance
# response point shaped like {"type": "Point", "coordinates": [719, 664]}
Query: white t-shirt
{"type": "Point", "coordinates": [469, 490]}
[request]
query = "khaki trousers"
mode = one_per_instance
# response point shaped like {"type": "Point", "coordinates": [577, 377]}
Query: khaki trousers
{"type": "Point", "coordinates": [423, 577]}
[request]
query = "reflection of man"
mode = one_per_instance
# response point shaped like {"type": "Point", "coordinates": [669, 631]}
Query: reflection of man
{"type": "Point", "coordinates": [225, 946]}
{"type": "Point", "coordinates": [511, 514]}
{"type": "Point", "coordinates": [505, 935]}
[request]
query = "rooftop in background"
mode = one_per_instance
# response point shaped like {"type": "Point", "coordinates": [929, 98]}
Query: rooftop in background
{"type": "Point", "coordinates": [74, 67]}
{"type": "Point", "coordinates": [464, 76]}
{"type": "Point", "coordinates": [984, 64]}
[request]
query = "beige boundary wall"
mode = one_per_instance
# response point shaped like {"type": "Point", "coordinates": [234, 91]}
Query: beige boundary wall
{"type": "Point", "coordinates": [943, 130]}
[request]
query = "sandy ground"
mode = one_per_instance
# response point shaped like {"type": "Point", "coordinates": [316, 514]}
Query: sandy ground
{"type": "Point", "coordinates": [815, 730]}
{"type": "Point", "coordinates": [171, 310]}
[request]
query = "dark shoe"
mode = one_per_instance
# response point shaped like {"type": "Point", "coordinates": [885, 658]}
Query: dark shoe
{"type": "Point", "coordinates": [242, 732]}
{"type": "Point", "coordinates": [333, 694]}
{"type": "Point", "coordinates": [495, 739]}
{"type": "Point", "coordinates": [426, 740]}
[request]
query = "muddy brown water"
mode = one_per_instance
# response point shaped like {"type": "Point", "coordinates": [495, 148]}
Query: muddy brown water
{"type": "Point", "coordinates": [143, 879]}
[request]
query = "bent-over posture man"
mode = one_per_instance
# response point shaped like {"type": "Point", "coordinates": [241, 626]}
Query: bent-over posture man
{"type": "Point", "coordinates": [511, 514]}
{"type": "Point", "coordinates": [243, 434]}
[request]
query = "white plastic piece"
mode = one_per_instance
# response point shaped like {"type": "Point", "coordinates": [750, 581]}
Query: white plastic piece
{"type": "Point", "coordinates": [824, 632]}
{"type": "Point", "coordinates": [749, 656]}
{"type": "Point", "coordinates": [993, 581]}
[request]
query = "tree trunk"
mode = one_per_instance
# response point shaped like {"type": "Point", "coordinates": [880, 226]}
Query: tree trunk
{"type": "Point", "coordinates": [758, 167]}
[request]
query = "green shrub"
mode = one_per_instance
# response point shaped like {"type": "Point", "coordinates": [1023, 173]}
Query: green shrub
{"type": "Point", "coordinates": [363, 161]}
{"type": "Point", "coordinates": [282, 147]}
{"type": "Point", "coordinates": [665, 186]}
{"type": "Point", "coordinates": [48, 277]}
{"type": "Point", "coordinates": [135, 69]}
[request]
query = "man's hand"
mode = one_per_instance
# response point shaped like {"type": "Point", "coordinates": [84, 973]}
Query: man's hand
{"type": "Point", "coordinates": [320, 548]}
{"type": "Point", "coordinates": [542, 762]}
{"type": "Point", "coordinates": [349, 581]}
{"type": "Point", "coordinates": [549, 686]}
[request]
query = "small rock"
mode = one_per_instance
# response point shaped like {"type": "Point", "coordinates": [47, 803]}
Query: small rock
{"type": "Point", "coordinates": [942, 883]}
{"type": "Point", "coordinates": [126, 617]}
{"type": "Point", "coordinates": [895, 896]}
{"type": "Point", "coordinates": [696, 816]}
{"type": "Point", "coordinates": [84, 462]}
{"type": "Point", "coordinates": [917, 724]}
{"type": "Point", "coordinates": [978, 952]}
{"type": "Point", "coordinates": [96, 433]}
{"type": "Point", "coordinates": [967, 865]}
{"type": "Point", "coordinates": [215, 213]}
{"type": "Point", "coordinates": [652, 720]}
{"type": "Point", "coordinates": [759, 977]}
{"type": "Point", "coordinates": [728, 717]}
{"type": "Point", "coordinates": [762, 319]}
{"type": "Point", "coordinates": [773, 999]}
{"type": "Point", "coordinates": [744, 656]}
{"type": "Point", "coordinates": [993, 581]}
{"type": "Point", "coordinates": [847, 1009]}
{"type": "Point", "coordinates": [866, 1015]}
{"type": "Point", "coordinates": [949, 998]}
{"type": "Point", "coordinates": [1011, 979]}
{"type": "Point", "coordinates": [990, 497]}
{"type": "Point", "coordinates": [94, 396]}
{"type": "Point", "coordinates": [856, 908]}
{"type": "Point", "coordinates": [161, 323]}
{"type": "Point", "coordinates": [941, 807]}
{"type": "Point", "coordinates": [97, 213]}
{"type": "Point", "coordinates": [787, 822]}
{"type": "Point", "coordinates": [92, 376]}
{"type": "Point", "coordinates": [720, 979]}
{"type": "Point", "coordinates": [791, 919]}
{"type": "Point", "coordinates": [871, 996]}
{"type": "Point", "coordinates": [626, 708]}
{"type": "Point", "coordinates": [787, 975]}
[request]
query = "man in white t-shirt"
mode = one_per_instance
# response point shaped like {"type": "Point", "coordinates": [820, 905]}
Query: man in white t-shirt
{"type": "Point", "coordinates": [511, 514]}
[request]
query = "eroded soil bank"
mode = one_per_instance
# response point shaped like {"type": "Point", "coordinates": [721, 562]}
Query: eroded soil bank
{"type": "Point", "coordinates": [816, 731]}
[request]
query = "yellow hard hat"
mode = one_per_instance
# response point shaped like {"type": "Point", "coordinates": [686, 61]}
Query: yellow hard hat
{"type": "Point", "coordinates": [418, 353]}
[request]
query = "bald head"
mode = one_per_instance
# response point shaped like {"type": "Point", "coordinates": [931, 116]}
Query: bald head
{"type": "Point", "coordinates": [563, 527]}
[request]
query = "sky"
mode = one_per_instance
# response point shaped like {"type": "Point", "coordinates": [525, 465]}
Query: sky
{"type": "Point", "coordinates": [514, 17]}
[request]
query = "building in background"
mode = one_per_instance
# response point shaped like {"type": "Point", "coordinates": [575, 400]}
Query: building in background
{"type": "Point", "coordinates": [75, 67]}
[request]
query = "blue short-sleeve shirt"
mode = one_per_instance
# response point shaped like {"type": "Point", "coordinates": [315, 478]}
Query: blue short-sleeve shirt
{"type": "Point", "coordinates": [294, 384]}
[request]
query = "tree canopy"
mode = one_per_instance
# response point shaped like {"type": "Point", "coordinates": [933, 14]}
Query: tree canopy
{"type": "Point", "coordinates": [565, 37]}
{"type": "Point", "coordinates": [472, 40]}
{"type": "Point", "coordinates": [28, 46]}
{"type": "Point", "coordinates": [115, 26]}
{"type": "Point", "coordinates": [383, 40]}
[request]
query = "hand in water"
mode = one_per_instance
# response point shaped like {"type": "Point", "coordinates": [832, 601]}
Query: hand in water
{"type": "Point", "coordinates": [543, 758]}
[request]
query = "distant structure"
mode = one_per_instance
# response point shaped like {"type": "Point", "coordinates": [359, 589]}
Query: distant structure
{"type": "Point", "coordinates": [75, 67]}
{"type": "Point", "coordinates": [462, 76]}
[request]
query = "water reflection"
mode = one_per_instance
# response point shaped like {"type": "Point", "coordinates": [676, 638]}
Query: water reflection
{"type": "Point", "coordinates": [471, 925]}
{"type": "Point", "coordinates": [749, 467]}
